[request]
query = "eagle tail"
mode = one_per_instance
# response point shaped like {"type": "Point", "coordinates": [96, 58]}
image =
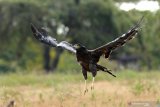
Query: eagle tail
{"type": "Point", "coordinates": [105, 70]}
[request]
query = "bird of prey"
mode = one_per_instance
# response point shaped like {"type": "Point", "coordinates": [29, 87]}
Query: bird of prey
{"type": "Point", "coordinates": [88, 59]}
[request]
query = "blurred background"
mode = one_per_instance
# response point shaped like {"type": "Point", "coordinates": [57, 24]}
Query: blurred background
{"type": "Point", "coordinates": [91, 23]}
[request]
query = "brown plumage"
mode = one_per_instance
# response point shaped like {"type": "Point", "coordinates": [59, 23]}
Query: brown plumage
{"type": "Point", "coordinates": [88, 59]}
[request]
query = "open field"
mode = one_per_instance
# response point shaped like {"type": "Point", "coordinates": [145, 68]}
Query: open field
{"type": "Point", "coordinates": [66, 90]}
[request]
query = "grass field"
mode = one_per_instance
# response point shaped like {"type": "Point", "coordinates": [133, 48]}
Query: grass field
{"type": "Point", "coordinates": [66, 90]}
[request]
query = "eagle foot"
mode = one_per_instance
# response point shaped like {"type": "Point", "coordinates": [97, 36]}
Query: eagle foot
{"type": "Point", "coordinates": [92, 87]}
{"type": "Point", "coordinates": [85, 91]}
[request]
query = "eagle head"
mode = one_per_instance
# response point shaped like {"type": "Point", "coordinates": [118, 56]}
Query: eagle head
{"type": "Point", "coordinates": [79, 47]}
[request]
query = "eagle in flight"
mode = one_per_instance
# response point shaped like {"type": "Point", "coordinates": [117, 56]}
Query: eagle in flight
{"type": "Point", "coordinates": [88, 59]}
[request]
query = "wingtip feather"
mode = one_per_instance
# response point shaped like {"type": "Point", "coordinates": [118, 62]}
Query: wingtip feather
{"type": "Point", "coordinates": [33, 28]}
{"type": "Point", "coordinates": [137, 26]}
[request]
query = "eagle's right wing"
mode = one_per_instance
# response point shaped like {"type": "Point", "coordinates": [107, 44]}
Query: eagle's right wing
{"type": "Point", "coordinates": [44, 38]}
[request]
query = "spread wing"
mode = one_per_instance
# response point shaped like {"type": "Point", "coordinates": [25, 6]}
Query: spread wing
{"type": "Point", "coordinates": [120, 41]}
{"type": "Point", "coordinates": [43, 37]}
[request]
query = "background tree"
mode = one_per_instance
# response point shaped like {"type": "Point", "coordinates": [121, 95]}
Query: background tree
{"type": "Point", "coordinates": [89, 22]}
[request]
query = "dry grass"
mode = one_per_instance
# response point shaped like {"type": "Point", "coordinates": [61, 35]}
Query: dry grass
{"type": "Point", "coordinates": [107, 93]}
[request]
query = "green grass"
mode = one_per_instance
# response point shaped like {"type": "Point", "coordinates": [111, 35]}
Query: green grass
{"type": "Point", "coordinates": [17, 79]}
{"type": "Point", "coordinates": [35, 79]}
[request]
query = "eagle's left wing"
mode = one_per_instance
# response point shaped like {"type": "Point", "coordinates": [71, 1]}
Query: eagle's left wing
{"type": "Point", "coordinates": [43, 37]}
{"type": "Point", "coordinates": [109, 47]}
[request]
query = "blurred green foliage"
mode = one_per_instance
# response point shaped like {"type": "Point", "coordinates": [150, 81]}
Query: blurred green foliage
{"type": "Point", "coordinates": [91, 23]}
